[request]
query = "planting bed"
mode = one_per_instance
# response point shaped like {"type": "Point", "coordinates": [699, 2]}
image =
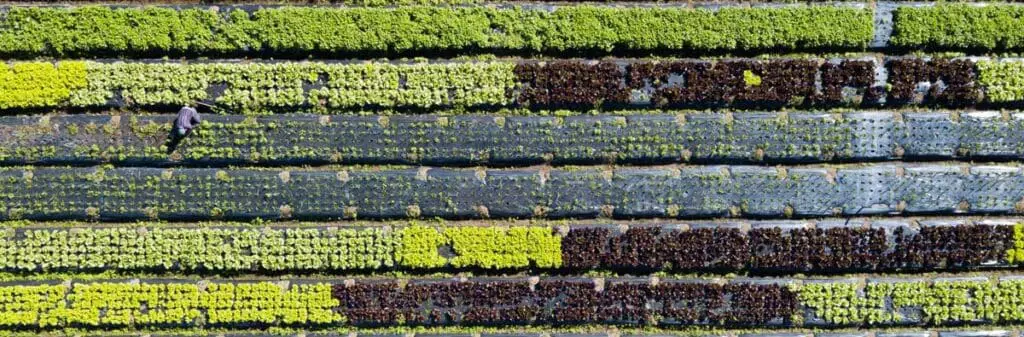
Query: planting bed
{"type": "Point", "coordinates": [323, 87]}
{"type": "Point", "coordinates": [569, 168]}
{"type": "Point", "coordinates": [375, 193]}
{"type": "Point", "coordinates": [544, 301]}
{"type": "Point", "coordinates": [660, 137]}
{"type": "Point", "coordinates": [762, 247]}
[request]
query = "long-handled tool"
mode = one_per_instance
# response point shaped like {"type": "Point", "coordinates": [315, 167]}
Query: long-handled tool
{"type": "Point", "coordinates": [212, 107]}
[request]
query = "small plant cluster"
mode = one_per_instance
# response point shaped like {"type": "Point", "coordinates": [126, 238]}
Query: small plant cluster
{"type": "Point", "coordinates": [39, 84]}
{"type": "Point", "coordinates": [330, 87]}
{"type": "Point", "coordinates": [793, 250]}
{"type": "Point", "coordinates": [39, 305]}
{"type": "Point", "coordinates": [301, 31]}
{"type": "Point", "coordinates": [277, 249]}
{"type": "Point", "coordinates": [564, 302]}
{"type": "Point", "coordinates": [170, 304]}
{"type": "Point", "coordinates": [936, 302]}
{"type": "Point", "coordinates": [949, 82]}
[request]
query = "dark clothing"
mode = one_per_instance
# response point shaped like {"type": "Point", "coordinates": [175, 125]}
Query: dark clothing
{"type": "Point", "coordinates": [187, 119]}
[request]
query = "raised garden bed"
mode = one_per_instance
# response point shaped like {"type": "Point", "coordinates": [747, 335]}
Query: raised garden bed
{"type": "Point", "coordinates": [766, 248]}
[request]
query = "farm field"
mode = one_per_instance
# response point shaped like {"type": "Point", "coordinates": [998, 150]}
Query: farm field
{"type": "Point", "coordinates": [512, 168]}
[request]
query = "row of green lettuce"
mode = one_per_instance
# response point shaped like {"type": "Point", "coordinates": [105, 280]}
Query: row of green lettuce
{"type": "Point", "coordinates": [301, 31]}
{"type": "Point", "coordinates": [329, 87]}
{"type": "Point", "coordinates": [226, 248]}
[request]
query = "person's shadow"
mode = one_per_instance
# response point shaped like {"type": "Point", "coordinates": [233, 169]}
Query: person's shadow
{"type": "Point", "coordinates": [173, 140]}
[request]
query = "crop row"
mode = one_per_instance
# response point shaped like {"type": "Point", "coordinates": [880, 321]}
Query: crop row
{"type": "Point", "coordinates": [233, 249]}
{"type": "Point", "coordinates": [959, 27]}
{"type": "Point", "coordinates": [325, 87]}
{"type": "Point", "coordinates": [514, 331]}
{"type": "Point", "coordinates": [166, 304]}
{"type": "Point", "coordinates": [210, 249]}
{"type": "Point", "coordinates": [828, 249]}
{"type": "Point", "coordinates": [263, 85]}
{"type": "Point", "coordinates": [512, 302]}
{"type": "Point", "coordinates": [515, 140]}
{"type": "Point", "coordinates": [302, 31]}
{"type": "Point", "coordinates": [375, 193]}
{"type": "Point", "coordinates": [770, 247]}
{"type": "Point", "coordinates": [372, 303]}
{"type": "Point", "coordinates": [914, 302]}
{"type": "Point", "coordinates": [564, 302]}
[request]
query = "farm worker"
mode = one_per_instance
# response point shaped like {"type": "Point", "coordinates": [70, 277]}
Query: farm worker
{"type": "Point", "coordinates": [188, 118]}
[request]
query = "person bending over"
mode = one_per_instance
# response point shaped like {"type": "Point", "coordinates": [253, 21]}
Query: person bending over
{"type": "Point", "coordinates": [188, 119]}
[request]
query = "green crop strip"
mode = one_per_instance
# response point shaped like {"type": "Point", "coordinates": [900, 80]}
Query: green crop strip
{"type": "Point", "coordinates": [39, 84]}
{"type": "Point", "coordinates": [106, 193]}
{"type": "Point", "coordinates": [91, 30]}
{"type": "Point", "coordinates": [481, 247]}
{"type": "Point", "coordinates": [166, 304]}
{"type": "Point", "coordinates": [351, 139]}
{"type": "Point", "coordinates": [1016, 254]}
{"type": "Point", "coordinates": [939, 302]}
{"type": "Point", "coordinates": [496, 248]}
{"type": "Point", "coordinates": [959, 26]}
{"type": "Point", "coordinates": [293, 249]}
{"type": "Point", "coordinates": [326, 87]}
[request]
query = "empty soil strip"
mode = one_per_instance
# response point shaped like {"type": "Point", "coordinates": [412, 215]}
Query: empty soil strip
{"type": "Point", "coordinates": [573, 192]}
{"type": "Point", "coordinates": [762, 247]}
{"type": "Point", "coordinates": [749, 302]}
{"type": "Point", "coordinates": [495, 140]}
